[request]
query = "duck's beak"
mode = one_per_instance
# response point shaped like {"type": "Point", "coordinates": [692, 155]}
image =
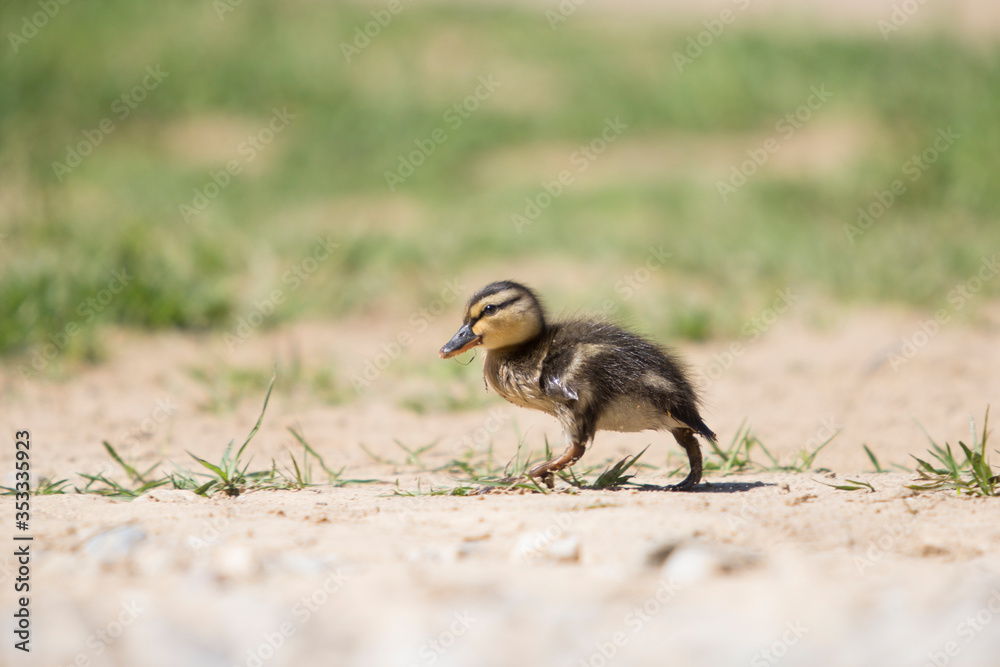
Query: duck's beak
{"type": "Point", "coordinates": [462, 341]}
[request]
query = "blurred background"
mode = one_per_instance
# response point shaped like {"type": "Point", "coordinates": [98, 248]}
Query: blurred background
{"type": "Point", "coordinates": [206, 148]}
{"type": "Point", "coordinates": [194, 194]}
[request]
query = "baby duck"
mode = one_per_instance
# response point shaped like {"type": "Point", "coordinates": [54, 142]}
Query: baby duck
{"type": "Point", "coordinates": [591, 375]}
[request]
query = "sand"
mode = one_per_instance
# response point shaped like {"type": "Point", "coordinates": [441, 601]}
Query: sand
{"type": "Point", "coordinates": [756, 568]}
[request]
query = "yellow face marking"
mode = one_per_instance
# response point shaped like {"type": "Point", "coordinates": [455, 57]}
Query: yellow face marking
{"type": "Point", "coordinates": [476, 310]}
{"type": "Point", "coordinates": [505, 318]}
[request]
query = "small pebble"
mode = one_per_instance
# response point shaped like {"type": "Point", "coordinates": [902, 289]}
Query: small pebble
{"type": "Point", "coordinates": [532, 547]}
{"type": "Point", "coordinates": [115, 543]}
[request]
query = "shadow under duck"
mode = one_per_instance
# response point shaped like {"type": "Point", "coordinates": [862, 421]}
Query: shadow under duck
{"type": "Point", "coordinates": [591, 375]}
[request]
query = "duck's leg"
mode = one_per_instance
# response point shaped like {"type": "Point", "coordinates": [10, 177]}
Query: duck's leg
{"type": "Point", "coordinates": [545, 471]}
{"type": "Point", "coordinates": [685, 438]}
{"type": "Point", "coordinates": [579, 424]}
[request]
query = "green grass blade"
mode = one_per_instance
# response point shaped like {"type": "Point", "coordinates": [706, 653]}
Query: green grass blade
{"type": "Point", "coordinates": [375, 457]}
{"type": "Point", "coordinates": [615, 476]}
{"type": "Point", "coordinates": [305, 445]}
{"type": "Point", "coordinates": [873, 459]}
{"type": "Point", "coordinates": [129, 470]}
{"type": "Point", "coordinates": [767, 452]}
{"type": "Point", "coordinates": [211, 466]}
{"type": "Point", "coordinates": [152, 484]}
{"type": "Point", "coordinates": [808, 459]}
{"type": "Point", "coordinates": [852, 485]}
{"type": "Point", "coordinates": [204, 488]}
{"type": "Point", "coordinates": [298, 474]}
{"type": "Point", "coordinates": [260, 419]}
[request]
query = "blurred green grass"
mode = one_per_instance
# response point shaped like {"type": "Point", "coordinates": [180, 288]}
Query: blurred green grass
{"type": "Point", "coordinates": [325, 173]}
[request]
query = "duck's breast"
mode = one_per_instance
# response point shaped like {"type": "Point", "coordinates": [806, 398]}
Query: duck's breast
{"type": "Point", "coordinates": [517, 383]}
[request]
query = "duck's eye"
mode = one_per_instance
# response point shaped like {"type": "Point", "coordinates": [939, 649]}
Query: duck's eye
{"type": "Point", "coordinates": [489, 310]}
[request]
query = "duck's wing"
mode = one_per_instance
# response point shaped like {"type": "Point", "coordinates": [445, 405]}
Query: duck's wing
{"type": "Point", "coordinates": [572, 369]}
{"type": "Point", "coordinates": [556, 378]}
{"type": "Point", "coordinates": [556, 387]}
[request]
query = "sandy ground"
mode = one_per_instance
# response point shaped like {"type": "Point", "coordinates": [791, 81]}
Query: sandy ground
{"type": "Point", "coordinates": [751, 569]}
{"type": "Point", "coordinates": [754, 569]}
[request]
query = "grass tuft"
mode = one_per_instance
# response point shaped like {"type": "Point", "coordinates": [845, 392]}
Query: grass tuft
{"type": "Point", "coordinates": [229, 476]}
{"type": "Point", "coordinates": [852, 485]}
{"type": "Point", "coordinates": [303, 474]}
{"type": "Point", "coordinates": [612, 477]}
{"type": "Point", "coordinates": [972, 476]}
{"type": "Point", "coordinates": [105, 486]}
{"type": "Point", "coordinates": [739, 456]}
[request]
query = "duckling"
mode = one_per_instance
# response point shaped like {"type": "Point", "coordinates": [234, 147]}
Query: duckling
{"type": "Point", "coordinates": [591, 375]}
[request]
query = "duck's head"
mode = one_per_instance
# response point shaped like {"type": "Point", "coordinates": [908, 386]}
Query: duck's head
{"type": "Point", "coordinates": [501, 314]}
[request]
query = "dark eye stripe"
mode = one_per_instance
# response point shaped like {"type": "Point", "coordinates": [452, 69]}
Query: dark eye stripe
{"type": "Point", "coordinates": [495, 307]}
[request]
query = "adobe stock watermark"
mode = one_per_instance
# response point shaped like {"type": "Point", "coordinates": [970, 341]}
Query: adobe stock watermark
{"type": "Point", "coordinates": [36, 22]}
{"type": "Point", "coordinates": [43, 353]}
{"type": "Point", "coordinates": [479, 438]}
{"type": "Point", "coordinates": [454, 117]}
{"type": "Point", "coordinates": [751, 504]}
{"type": "Point", "coordinates": [248, 150]}
{"type": "Point", "coordinates": [211, 530]}
{"type": "Point", "coordinates": [829, 427]}
{"type": "Point", "coordinates": [418, 321]}
{"type": "Point", "coordinates": [697, 44]}
{"type": "Point", "coordinates": [967, 630]}
{"type": "Point", "coordinates": [415, 503]}
{"type": "Point", "coordinates": [431, 651]}
{"type": "Point", "coordinates": [292, 279]}
{"type": "Point", "coordinates": [121, 108]}
{"type": "Point", "coordinates": [630, 283]}
{"type": "Point", "coordinates": [886, 541]}
{"type": "Point", "coordinates": [223, 7]}
{"type": "Point", "coordinates": [901, 13]}
{"type": "Point", "coordinates": [163, 410]}
{"type": "Point", "coordinates": [751, 330]}
{"type": "Point", "coordinates": [302, 611]}
{"type": "Point", "coordinates": [475, 441]}
{"type": "Point", "coordinates": [534, 545]}
{"type": "Point", "coordinates": [580, 160]}
{"type": "Point", "coordinates": [958, 297]}
{"type": "Point", "coordinates": [750, 507]}
{"type": "Point", "coordinates": [5, 569]}
{"type": "Point", "coordinates": [786, 128]}
{"type": "Point", "coordinates": [634, 621]}
{"type": "Point", "coordinates": [563, 11]}
{"type": "Point", "coordinates": [363, 35]}
{"type": "Point", "coordinates": [98, 642]}
{"type": "Point", "coordinates": [913, 169]}
{"type": "Point", "coordinates": [778, 649]}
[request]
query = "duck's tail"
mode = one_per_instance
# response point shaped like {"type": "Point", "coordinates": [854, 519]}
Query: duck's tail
{"type": "Point", "coordinates": [702, 429]}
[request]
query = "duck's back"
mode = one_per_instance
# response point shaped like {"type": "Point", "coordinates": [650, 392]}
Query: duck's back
{"type": "Point", "coordinates": [630, 382]}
